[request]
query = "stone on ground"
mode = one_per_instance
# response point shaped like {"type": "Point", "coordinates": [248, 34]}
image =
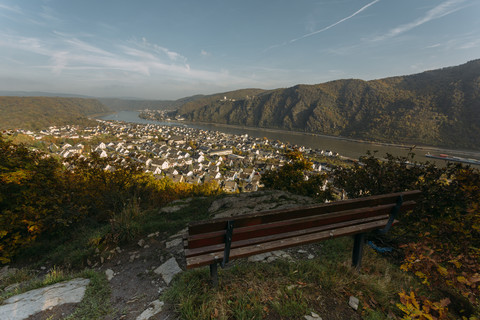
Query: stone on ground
{"type": "Point", "coordinates": [173, 243]}
{"type": "Point", "coordinates": [168, 270]}
{"type": "Point", "coordinates": [313, 316]}
{"type": "Point", "coordinates": [154, 308]}
{"type": "Point", "coordinates": [269, 256]}
{"type": "Point", "coordinates": [353, 302]}
{"type": "Point", "coordinates": [172, 209]}
{"type": "Point", "coordinates": [24, 305]}
{"type": "Point", "coordinates": [109, 273]}
{"type": "Point", "coordinates": [263, 200]}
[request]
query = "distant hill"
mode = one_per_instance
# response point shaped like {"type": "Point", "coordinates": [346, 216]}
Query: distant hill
{"type": "Point", "coordinates": [132, 105]}
{"type": "Point", "coordinates": [114, 104]}
{"type": "Point", "coordinates": [439, 107]}
{"type": "Point", "coordinates": [138, 104]}
{"type": "Point", "coordinates": [40, 94]}
{"type": "Point", "coordinates": [41, 112]}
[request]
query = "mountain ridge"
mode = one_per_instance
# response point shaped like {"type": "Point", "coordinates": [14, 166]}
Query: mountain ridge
{"type": "Point", "coordinates": [438, 107]}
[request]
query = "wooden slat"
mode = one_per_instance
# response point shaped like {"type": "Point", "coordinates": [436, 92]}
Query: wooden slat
{"type": "Point", "coordinates": [278, 215]}
{"type": "Point", "coordinates": [292, 224]}
{"type": "Point", "coordinates": [249, 242]}
{"type": "Point", "coordinates": [198, 261]}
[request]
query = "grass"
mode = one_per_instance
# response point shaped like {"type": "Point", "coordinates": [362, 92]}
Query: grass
{"type": "Point", "coordinates": [96, 302]}
{"type": "Point", "coordinates": [290, 290]}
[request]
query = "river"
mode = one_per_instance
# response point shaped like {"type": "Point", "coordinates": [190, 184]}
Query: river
{"type": "Point", "coordinates": [345, 147]}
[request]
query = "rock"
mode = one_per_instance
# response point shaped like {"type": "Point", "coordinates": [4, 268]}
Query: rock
{"type": "Point", "coordinates": [179, 234]}
{"type": "Point", "coordinates": [109, 273]}
{"type": "Point", "coordinates": [173, 243]}
{"type": "Point", "coordinates": [154, 308]}
{"type": "Point", "coordinates": [168, 270]}
{"type": "Point", "coordinates": [260, 257]}
{"type": "Point", "coordinates": [259, 201]}
{"type": "Point", "coordinates": [141, 242]}
{"type": "Point", "coordinates": [269, 256]}
{"type": "Point", "coordinates": [313, 316]}
{"type": "Point", "coordinates": [171, 209]}
{"type": "Point", "coordinates": [302, 251]}
{"type": "Point", "coordinates": [281, 253]}
{"type": "Point", "coordinates": [310, 257]}
{"type": "Point", "coordinates": [271, 259]}
{"type": "Point", "coordinates": [353, 302]}
{"type": "Point", "coordinates": [29, 303]}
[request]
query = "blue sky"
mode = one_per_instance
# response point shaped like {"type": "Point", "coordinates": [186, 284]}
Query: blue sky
{"type": "Point", "coordinates": [172, 49]}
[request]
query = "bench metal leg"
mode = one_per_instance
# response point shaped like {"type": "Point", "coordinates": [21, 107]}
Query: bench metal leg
{"type": "Point", "coordinates": [214, 274]}
{"type": "Point", "coordinates": [359, 240]}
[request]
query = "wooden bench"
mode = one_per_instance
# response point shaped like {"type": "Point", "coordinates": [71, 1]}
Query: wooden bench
{"type": "Point", "coordinates": [220, 240]}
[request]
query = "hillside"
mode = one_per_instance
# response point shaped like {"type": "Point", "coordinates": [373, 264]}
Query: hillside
{"type": "Point", "coordinates": [40, 112]}
{"type": "Point", "coordinates": [439, 107]}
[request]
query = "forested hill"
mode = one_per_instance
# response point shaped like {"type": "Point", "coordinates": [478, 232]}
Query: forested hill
{"type": "Point", "coordinates": [439, 107]}
{"type": "Point", "coordinates": [42, 112]}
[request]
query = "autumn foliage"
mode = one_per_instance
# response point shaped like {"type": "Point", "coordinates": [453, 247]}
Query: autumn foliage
{"type": "Point", "coordinates": [441, 237]}
{"type": "Point", "coordinates": [40, 195]}
{"type": "Point", "coordinates": [292, 177]}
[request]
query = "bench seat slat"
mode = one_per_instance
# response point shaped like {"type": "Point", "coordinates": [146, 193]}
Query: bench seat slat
{"type": "Point", "coordinates": [202, 260]}
{"type": "Point", "coordinates": [291, 225]}
{"type": "Point", "coordinates": [279, 215]}
{"type": "Point", "coordinates": [252, 241]}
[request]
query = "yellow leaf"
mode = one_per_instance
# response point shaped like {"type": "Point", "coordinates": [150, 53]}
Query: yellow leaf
{"type": "Point", "coordinates": [443, 271]}
{"type": "Point", "coordinates": [456, 263]}
{"type": "Point", "coordinates": [461, 279]}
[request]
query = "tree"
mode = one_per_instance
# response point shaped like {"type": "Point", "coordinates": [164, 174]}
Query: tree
{"type": "Point", "coordinates": [292, 177]}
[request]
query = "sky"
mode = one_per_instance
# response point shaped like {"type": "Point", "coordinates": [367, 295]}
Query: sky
{"type": "Point", "coordinates": [162, 49]}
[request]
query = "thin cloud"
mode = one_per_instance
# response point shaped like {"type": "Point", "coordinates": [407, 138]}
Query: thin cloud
{"type": "Point", "coordinates": [174, 56]}
{"type": "Point", "coordinates": [470, 44]}
{"type": "Point", "coordinates": [433, 46]}
{"type": "Point", "coordinates": [442, 10]}
{"type": "Point", "coordinates": [15, 9]}
{"type": "Point", "coordinates": [141, 60]}
{"type": "Point", "coordinates": [336, 23]}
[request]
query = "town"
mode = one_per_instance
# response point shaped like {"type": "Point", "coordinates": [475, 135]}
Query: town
{"type": "Point", "coordinates": [235, 162]}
